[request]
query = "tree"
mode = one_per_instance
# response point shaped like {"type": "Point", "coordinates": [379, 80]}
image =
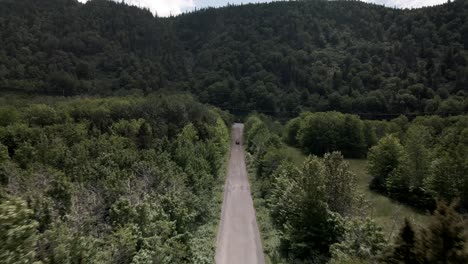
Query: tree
{"type": "Point", "coordinates": [418, 162]}
{"type": "Point", "coordinates": [3, 154]}
{"type": "Point", "coordinates": [291, 129]}
{"type": "Point", "coordinates": [145, 136]}
{"type": "Point", "coordinates": [266, 167]}
{"type": "Point", "coordinates": [384, 159]}
{"type": "Point", "coordinates": [447, 178]}
{"type": "Point", "coordinates": [282, 62]}
{"type": "Point", "coordinates": [445, 239]}
{"type": "Point", "coordinates": [354, 144]}
{"type": "Point", "coordinates": [363, 239]}
{"type": "Point", "coordinates": [279, 200]}
{"type": "Point", "coordinates": [41, 115]}
{"type": "Point", "coordinates": [322, 132]}
{"type": "Point", "coordinates": [19, 234]}
{"type": "Point", "coordinates": [310, 227]}
{"type": "Point", "coordinates": [124, 242]}
{"type": "Point", "coordinates": [406, 247]}
{"type": "Point", "coordinates": [340, 184]}
{"type": "Point", "coordinates": [8, 115]}
{"type": "Point", "coordinates": [60, 192]}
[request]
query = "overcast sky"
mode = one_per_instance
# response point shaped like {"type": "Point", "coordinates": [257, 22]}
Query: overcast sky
{"type": "Point", "coordinates": [175, 7]}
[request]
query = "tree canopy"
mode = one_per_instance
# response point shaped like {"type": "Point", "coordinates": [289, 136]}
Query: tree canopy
{"type": "Point", "coordinates": [279, 58]}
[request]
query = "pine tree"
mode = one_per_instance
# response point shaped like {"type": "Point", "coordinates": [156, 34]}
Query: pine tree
{"type": "Point", "coordinates": [445, 239]}
{"type": "Point", "coordinates": [405, 249]}
{"type": "Point", "coordinates": [145, 135]}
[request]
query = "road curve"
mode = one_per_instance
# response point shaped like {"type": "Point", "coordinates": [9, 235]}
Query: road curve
{"type": "Point", "coordinates": [238, 239]}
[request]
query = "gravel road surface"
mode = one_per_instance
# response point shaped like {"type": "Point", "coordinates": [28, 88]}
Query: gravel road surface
{"type": "Point", "coordinates": [238, 239]}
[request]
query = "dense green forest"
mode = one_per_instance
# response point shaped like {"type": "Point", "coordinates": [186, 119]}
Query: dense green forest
{"type": "Point", "coordinates": [315, 213]}
{"type": "Point", "coordinates": [114, 129]}
{"type": "Point", "coordinates": [280, 58]}
{"type": "Point", "coordinates": [115, 180]}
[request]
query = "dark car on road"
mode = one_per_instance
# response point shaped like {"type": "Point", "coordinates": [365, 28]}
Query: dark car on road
{"type": "Point", "coordinates": [237, 142]}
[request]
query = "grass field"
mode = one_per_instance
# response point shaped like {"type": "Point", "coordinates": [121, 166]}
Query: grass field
{"type": "Point", "coordinates": [389, 214]}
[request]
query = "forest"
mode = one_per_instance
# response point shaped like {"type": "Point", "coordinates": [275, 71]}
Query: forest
{"type": "Point", "coordinates": [316, 214]}
{"type": "Point", "coordinates": [416, 162]}
{"type": "Point", "coordinates": [114, 130]}
{"type": "Point", "coordinates": [280, 58]}
{"type": "Point", "coordinates": [114, 180]}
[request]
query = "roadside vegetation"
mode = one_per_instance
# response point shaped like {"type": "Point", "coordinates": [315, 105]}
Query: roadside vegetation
{"type": "Point", "coordinates": [104, 158]}
{"type": "Point", "coordinates": [115, 180]}
{"type": "Point", "coordinates": [321, 209]}
{"type": "Point", "coordinates": [386, 212]}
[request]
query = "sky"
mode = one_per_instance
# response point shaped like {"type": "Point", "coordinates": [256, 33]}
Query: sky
{"type": "Point", "coordinates": [175, 7]}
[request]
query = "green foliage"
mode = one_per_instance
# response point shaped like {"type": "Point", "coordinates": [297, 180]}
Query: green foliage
{"type": "Point", "coordinates": [41, 115]}
{"type": "Point", "coordinates": [444, 240]}
{"type": "Point", "coordinates": [306, 204]}
{"type": "Point", "coordinates": [340, 184]}
{"type": "Point", "coordinates": [8, 115]}
{"type": "Point", "coordinates": [19, 234]}
{"type": "Point", "coordinates": [405, 249]}
{"type": "Point", "coordinates": [429, 166]}
{"type": "Point", "coordinates": [114, 180]}
{"type": "Point", "coordinates": [3, 153]}
{"type": "Point", "coordinates": [309, 228]}
{"type": "Point", "coordinates": [291, 129]}
{"type": "Point", "coordinates": [416, 143]}
{"type": "Point", "coordinates": [61, 191]}
{"type": "Point", "coordinates": [279, 199]}
{"type": "Point", "coordinates": [319, 133]}
{"type": "Point", "coordinates": [384, 158]}
{"type": "Point", "coordinates": [345, 56]}
{"type": "Point", "coordinates": [124, 242]}
{"type": "Point", "coordinates": [362, 239]}
{"type": "Point", "coordinates": [448, 179]}
{"type": "Point", "coordinates": [266, 167]}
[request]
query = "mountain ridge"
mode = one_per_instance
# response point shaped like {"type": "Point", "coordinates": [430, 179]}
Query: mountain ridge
{"type": "Point", "coordinates": [277, 57]}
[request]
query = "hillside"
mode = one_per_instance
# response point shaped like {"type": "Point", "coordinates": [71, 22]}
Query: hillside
{"type": "Point", "coordinates": [279, 58]}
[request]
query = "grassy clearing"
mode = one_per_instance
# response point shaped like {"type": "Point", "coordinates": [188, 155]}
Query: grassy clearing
{"type": "Point", "coordinates": [389, 214]}
{"type": "Point", "coordinates": [295, 155]}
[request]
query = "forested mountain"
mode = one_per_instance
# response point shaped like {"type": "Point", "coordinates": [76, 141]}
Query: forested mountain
{"type": "Point", "coordinates": [279, 58]}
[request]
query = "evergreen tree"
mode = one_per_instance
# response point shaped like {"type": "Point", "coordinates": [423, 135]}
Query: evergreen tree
{"type": "Point", "coordinates": [445, 239]}
{"type": "Point", "coordinates": [145, 135]}
{"type": "Point", "coordinates": [405, 249]}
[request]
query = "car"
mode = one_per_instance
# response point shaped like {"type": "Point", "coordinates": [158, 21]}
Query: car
{"type": "Point", "coordinates": [237, 142]}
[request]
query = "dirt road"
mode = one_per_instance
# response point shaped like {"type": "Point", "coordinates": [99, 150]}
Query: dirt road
{"type": "Point", "coordinates": [238, 236]}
